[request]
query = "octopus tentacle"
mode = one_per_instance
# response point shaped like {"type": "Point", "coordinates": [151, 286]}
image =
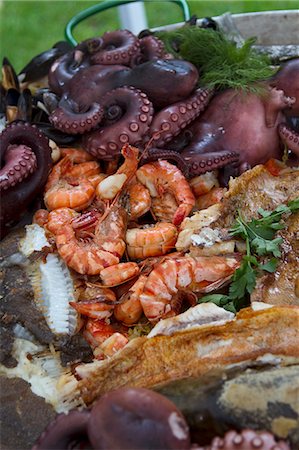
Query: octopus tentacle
{"type": "Point", "coordinates": [170, 121]}
{"type": "Point", "coordinates": [72, 119]}
{"type": "Point", "coordinates": [246, 439]}
{"type": "Point", "coordinates": [128, 114]}
{"type": "Point", "coordinates": [150, 47]}
{"type": "Point", "coordinates": [64, 68]}
{"type": "Point", "coordinates": [290, 137]}
{"type": "Point", "coordinates": [153, 154]}
{"type": "Point", "coordinates": [206, 162]}
{"type": "Point", "coordinates": [18, 196]}
{"type": "Point", "coordinates": [19, 163]}
{"type": "Point", "coordinates": [64, 430]}
{"type": "Point", "coordinates": [118, 47]}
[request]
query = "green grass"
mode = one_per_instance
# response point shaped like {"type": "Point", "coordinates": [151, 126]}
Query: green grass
{"type": "Point", "coordinates": [30, 27]}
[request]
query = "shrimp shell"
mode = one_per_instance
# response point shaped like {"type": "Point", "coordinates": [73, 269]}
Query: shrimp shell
{"type": "Point", "coordinates": [59, 217]}
{"type": "Point", "coordinates": [59, 192]}
{"type": "Point", "coordinates": [139, 199]}
{"type": "Point", "coordinates": [65, 195]}
{"type": "Point", "coordinates": [118, 274]}
{"type": "Point", "coordinates": [155, 240]}
{"type": "Point", "coordinates": [161, 177]}
{"type": "Point", "coordinates": [130, 310]}
{"type": "Point", "coordinates": [97, 303]}
{"type": "Point", "coordinates": [84, 169]}
{"type": "Point", "coordinates": [77, 155]}
{"type": "Point", "coordinates": [185, 274]}
{"type": "Point", "coordinates": [85, 257]}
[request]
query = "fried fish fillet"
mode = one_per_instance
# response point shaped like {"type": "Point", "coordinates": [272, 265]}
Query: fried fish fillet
{"type": "Point", "coordinates": [155, 362]}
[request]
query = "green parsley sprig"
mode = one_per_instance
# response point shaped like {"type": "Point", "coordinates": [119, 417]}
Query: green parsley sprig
{"type": "Point", "coordinates": [259, 235]}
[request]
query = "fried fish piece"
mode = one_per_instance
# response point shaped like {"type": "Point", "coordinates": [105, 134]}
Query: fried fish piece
{"type": "Point", "coordinates": [157, 361]}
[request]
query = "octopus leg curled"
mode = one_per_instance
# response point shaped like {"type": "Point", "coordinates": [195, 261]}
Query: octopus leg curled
{"type": "Point", "coordinates": [150, 48]}
{"type": "Point", "coordinates": [22, 140]}
{"type": "Point", "coordinates": [290, 137]}
{"type": "Point", "coordinates": [118, 47]}
{"type": "Point", "coordinates": [206, 162]}
{"type": "Point", "coordinates": [127, 116]}
{"type": "Point", "coordinates": [19, 163]}
{"type": "Point", "coordinates": [170, 121]}
{"type": "Point", "coordinates": [70, 119]}
{"type": "Point", "coordinates": [152, 154]}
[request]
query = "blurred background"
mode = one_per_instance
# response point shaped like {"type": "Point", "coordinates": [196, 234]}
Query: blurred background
{"type": "Point", "coordinates": [30, 27]}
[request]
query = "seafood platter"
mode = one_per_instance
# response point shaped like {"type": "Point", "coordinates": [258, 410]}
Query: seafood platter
{"type": "Point", "coordinates": [150, 240]}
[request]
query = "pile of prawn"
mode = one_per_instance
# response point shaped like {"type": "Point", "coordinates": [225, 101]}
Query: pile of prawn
{"type": "Point", "coordinates": [116, 230]}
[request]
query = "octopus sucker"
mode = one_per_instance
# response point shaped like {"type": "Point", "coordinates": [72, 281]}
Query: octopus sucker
{"type": "Point", "coordinates": [19, 163]}
{"type": "Point", "coordinates": [127, 116]}
{"type": "Point", "coordinates": [170, 121]}
{"type": "Point", "coordinates": [26, 171]}
{"type": "Point", "coordinates": [290, 137]}
{"type": "Point", "coordinates": [116, 48]}
{"type": "Point", "coordinates": [71, 121]}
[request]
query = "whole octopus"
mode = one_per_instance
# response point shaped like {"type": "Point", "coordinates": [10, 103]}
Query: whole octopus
{"type": "Point", "coordinates": [120, 88]}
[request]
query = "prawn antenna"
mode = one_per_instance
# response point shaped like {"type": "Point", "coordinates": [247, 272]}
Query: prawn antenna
{"type": "Point", "coordinates": [144, 154]}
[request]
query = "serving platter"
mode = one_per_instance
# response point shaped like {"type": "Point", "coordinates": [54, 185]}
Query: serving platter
{"type": "Point", "coordinates": [189, 366]}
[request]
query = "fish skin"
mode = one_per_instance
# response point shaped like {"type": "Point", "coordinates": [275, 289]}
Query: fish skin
{"type": "Point", "coordinates": [155, 362]}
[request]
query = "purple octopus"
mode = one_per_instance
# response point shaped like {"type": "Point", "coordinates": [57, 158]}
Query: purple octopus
{"type": "Point", "coordinates": [120, 88]}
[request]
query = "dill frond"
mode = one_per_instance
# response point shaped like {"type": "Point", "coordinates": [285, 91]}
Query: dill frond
{"type": "Point", "coordinates": [220, 62]}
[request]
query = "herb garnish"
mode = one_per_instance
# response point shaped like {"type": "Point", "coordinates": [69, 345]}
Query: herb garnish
{"type": "Point", "coordinates": [259, 237]}
{"type": "Point", "coordinates": [221, 63]}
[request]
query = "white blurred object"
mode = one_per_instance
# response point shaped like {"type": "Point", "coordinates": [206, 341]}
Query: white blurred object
{"type": "Point", "coordinates": [133, 17]}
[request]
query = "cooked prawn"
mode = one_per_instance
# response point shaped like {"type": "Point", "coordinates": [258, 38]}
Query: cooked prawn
{"type": "Point", "coordinates": [59, 192]}
{"type": "Point", "coordinates": [112, 185]}
{"type": "Point", "coordinates": [84, 170]}
{"type": "Point", "coordinates": [113, 344]}
{"type": "Point", "coordinates": [77, 155]}
{"type": "Point", "coordinates": [59, 217]}
{"type": "Point", "coordinates": [110, 230]}
{"type": "Point", "coordinates": [85, 256]}
{"type": "Point", "coordinates": [118, 274]}
{"type": "Point", "coordinates": [40, 217]}
{"type": "Point", "coordinates": [101, 246]}
{"type": "Point", "coordinates": [184, 274]}
{"type": "Point", "coordinates": [97, 303]}
{"type": "Point", "coordinates": [164, 208]}
{"type": "Point", "coordinates": [129, 310]}
{"type": "Point", "coordinates": [97, 331]}
{"type": "Point", "coordinates": [139, 199]}
{"type": "Point", "coordinates": [151, 240]}
{"type": "Point", "coordinates": [102, 338]}
{"type": "Point", "coordinates": [161, 177]}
